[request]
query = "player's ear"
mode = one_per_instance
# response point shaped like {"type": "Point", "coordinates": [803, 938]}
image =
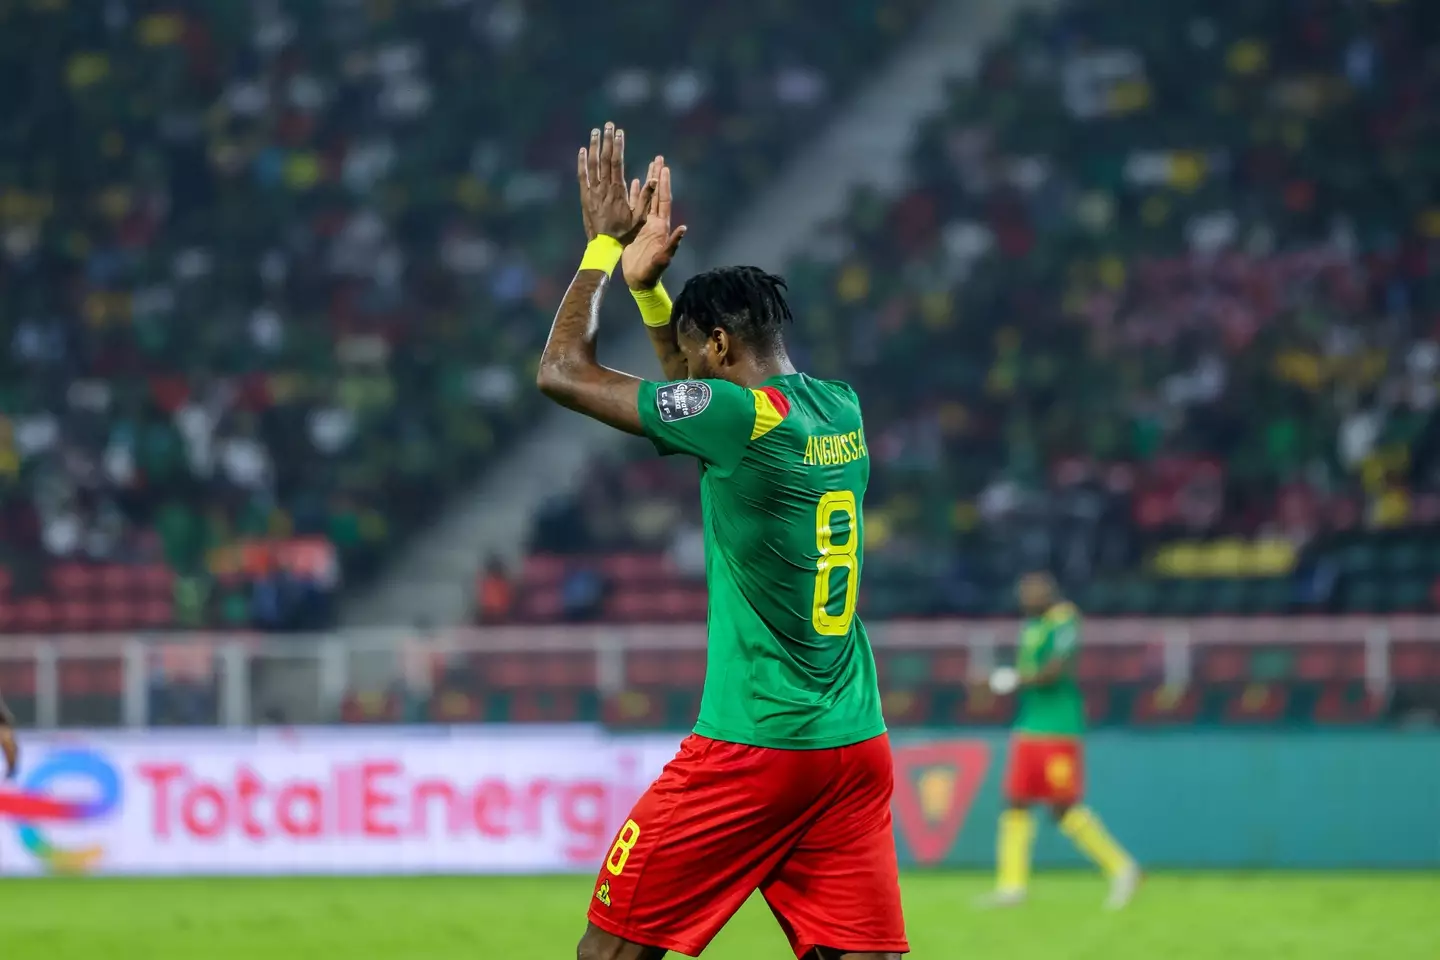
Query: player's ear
{"type": "Point", "coordinates": [720, 343]}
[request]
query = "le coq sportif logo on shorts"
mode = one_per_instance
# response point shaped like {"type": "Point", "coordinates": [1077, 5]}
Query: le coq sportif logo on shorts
{"type": "Point", "coordinates": [676, 401]}
{"type": "Point", "coordinates": [35, 804]}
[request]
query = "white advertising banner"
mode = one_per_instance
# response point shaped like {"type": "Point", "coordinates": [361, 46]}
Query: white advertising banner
{"type": "Point", "coordinates": [357, 800]}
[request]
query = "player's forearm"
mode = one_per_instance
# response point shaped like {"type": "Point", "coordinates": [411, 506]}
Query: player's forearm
{"type": "Point", "coordinates": [667, 351]}
{"type": "Point", "coordinates": [569, 372]}
{"type": "Point", "coordinates": [655, 308]}
{"type": "Point", "coordinates": [7, 719]}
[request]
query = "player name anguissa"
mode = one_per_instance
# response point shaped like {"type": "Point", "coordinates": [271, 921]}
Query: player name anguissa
{"type": "Point", "coordinates": [827, 449]}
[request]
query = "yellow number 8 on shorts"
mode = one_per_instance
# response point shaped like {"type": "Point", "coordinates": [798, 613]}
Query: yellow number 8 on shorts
{"type": "Point", "coordinates": [624, 843]}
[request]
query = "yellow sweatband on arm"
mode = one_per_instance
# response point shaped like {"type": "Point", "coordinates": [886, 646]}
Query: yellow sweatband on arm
{"type": "Point", "coordinates": [602, 253]}
{"type": "Point", "coordinates": [654, 305]}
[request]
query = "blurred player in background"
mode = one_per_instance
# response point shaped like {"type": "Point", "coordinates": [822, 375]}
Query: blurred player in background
{"type": "Point", "coordinates": [9, 746]}
{"type": "Point", "coordinates": [785, 784]}
{"type": "Point", "coordinates": [1046, 754]}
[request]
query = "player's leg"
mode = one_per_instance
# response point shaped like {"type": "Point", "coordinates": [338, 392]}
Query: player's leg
{"type": "Point", "coordinates": [837, 892]}
{"type": "Point", "coordinates": [819, 953]}
{"type": "Point", "coordinates": [1065, 783]}
{"type": "Point", "coordinates": [599, 944]}
{"type": "Point", "coordinates": [695, 846]}
{"type": "Point", "coordinates": [1015, 837]}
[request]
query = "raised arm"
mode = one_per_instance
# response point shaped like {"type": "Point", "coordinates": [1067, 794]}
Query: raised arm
{"type": "Point", "coordinates": [643, 263]}
{"type": "Point", "coordinates": [569, 372]}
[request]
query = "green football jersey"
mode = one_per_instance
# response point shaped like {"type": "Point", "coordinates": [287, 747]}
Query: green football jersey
{"type": "Point", "coordinates": [1057, 709]}
{"type": "Point", "coordinates": [783, 474]}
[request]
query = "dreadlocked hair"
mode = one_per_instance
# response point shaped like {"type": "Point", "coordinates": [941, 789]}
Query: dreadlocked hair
{"type": "Point", "coordinates": [745, 302]}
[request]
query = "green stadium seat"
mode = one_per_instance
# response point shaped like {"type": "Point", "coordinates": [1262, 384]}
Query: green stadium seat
{"type": "Point", "coordinates": [1270, 596]}
{"type": "Point", "coordinates": [1140, 597]}
{"type": "Point", "coordinates": [1227, 597]}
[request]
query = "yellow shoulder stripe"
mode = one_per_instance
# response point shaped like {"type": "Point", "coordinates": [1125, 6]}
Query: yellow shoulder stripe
{"type": "Point", "coordinates": [1061, 612]}
{"type": "Point", "coordinates": [767, 418]}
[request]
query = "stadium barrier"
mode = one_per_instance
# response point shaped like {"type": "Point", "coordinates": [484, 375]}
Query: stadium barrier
{"type": "Point", "coordinates": [305, 678]}
{"type": "Point", "coordinates": [516, 799]}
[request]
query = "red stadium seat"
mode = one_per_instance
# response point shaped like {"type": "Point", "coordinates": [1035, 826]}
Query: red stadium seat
{"type": "Point", "coordinates": [77, 616]}
{"type": "Point", "coordinates": [118, 615]}
{"type": "Point", "coordinates": [119, 581]}
{"type": "Point", "coordinates": [950, 667]}
{"type": "Point", "coordinates": [1414, 662]}
{"type": "Point", "coordinates": [158, 581]}
{"type": "Point", "coordinates": [541, 605]}
{"type": "Point", "coordinates": [1224, 665]}
{"type": "Point", "coordinates": [35, 616]}
{"type": "Point", "coordinates": [157, 613]}
{"type": "Point", "coordinates": [17, 677]}
{"type": "Point", "coordinates": [542, 570]}
{"type": "Point", "coordinates": [1345, 704]}
{"type": "Point", "coordinates": [73, 581]}
{"type": "Point", "coordinates": [645, 667]}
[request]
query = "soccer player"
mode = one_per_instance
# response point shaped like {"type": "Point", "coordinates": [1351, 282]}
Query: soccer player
{"type": "Point", "coordinates": [1046, 759]}
{"type": "Point", "coordinates": [785, 784]}
{"type": "Point", "coordinates": [9, 746]}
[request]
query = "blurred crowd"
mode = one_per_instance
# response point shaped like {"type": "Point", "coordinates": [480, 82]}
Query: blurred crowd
{"type": "Point", "coordinates": [1164, 272]}
{"type": "Point", "coordinates": [274, 274]}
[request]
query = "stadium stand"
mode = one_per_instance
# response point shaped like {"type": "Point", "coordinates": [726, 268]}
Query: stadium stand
{"type": "Point", "coordinates": [273, 275]}
{"type": "Point", "coordinates": [1149, 314]}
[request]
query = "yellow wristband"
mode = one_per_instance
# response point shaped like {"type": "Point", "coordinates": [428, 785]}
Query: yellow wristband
{"type": "Point", "coordinates": [654, 305]}
{"type": "Point", "coordinates": [602, 253]}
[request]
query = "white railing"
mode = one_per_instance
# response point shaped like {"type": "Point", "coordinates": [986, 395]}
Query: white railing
{"type": "Point", "coordinates": [309, 676]}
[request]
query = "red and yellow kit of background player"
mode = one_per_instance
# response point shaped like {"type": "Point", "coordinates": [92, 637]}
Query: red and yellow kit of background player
{"type": "Point", "coordinates": [1047, 758]}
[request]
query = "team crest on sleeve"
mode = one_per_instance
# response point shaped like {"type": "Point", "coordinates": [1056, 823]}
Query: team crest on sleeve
{"type": "Point", "coordinates": [676, 401]}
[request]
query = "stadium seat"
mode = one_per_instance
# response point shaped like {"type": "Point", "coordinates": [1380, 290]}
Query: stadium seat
{"type": "Point", "coordinates": [1257, 703]}
{"type": "Point", "coordinates": [1165, 707]}
{"type": "Point", "coordinates": [1347, 704]}
{"type": "Point", "coordinates": [908, 706]}
{"type": "Point", "coordinates": [1269, 558]}
{"type": "Point", "coordinates": [1183, 559]}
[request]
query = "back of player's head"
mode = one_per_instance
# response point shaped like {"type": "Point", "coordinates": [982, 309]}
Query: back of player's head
{"type": "Point", "coordinates": [746, 302]}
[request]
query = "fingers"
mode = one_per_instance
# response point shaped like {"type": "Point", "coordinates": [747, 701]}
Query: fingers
{"type": "Point", "coordinates": [662, 195]}
{"type": "Point", "coordinates": [646, 196]}
{"type": "Point", "coordinates": [593, 168]}
{"type": "Point", "coordinates": [582, 169]}
{"type": "Point", "coordinates": [634, 197]}
{"type": "Point", "coordinates": [673, 243]}
{"type": "Point", "coordinates": [617, 153]}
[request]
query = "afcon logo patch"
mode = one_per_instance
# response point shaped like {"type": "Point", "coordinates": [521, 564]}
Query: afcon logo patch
{"type": "Point", "coordinates": [603, 894]}
{"type": "Point", "coordinates": [935, 784]}
{"type": "Point", "coordinates": [676, 401]}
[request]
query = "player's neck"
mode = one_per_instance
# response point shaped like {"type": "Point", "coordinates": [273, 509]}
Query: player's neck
{"type": "Point", "coordinates": [753, 372]}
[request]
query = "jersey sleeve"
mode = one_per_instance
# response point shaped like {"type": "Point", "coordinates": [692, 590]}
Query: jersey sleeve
{"type": "Point", "coordinates": [1064, 632]}
{"type": "Point", "coordinates": [712, 420]}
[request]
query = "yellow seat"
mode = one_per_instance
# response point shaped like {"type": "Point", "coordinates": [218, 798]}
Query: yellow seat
{"type": "Point", "coordinates": [1224, 558]}
{"type": "Point", "coordinates": [1180, 559]}
{"type": "Point", "coordinates": [1270, 558]}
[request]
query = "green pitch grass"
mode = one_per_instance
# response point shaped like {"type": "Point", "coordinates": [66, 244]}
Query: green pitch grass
{"type": "Point", "coordinates": [1176, 917]}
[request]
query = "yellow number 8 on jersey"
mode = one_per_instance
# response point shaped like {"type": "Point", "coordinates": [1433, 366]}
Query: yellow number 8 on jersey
{"type": "Point", "coordinates": [624, 843]}
{"type": "Point", "coordinates": [836, 556]}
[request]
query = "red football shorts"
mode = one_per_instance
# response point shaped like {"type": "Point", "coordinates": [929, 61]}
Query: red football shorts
{"type": "Point", "coordinates": [810, 829]}
{"type": "Point", "coordinates": [1045, 770]}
